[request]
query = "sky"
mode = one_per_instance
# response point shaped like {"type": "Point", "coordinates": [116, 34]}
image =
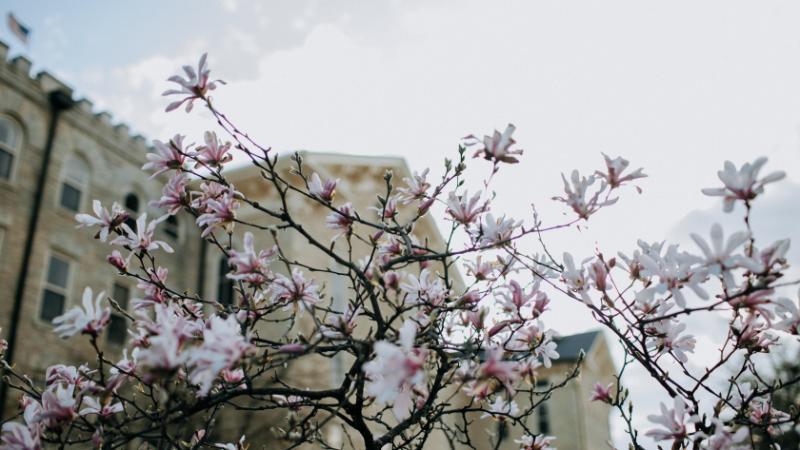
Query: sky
{"type": "Point", "coordinates": [675, 87]}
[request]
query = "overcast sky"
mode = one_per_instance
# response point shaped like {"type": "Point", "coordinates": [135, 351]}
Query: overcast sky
{"type": "Point", "coordinates": [676, 87]}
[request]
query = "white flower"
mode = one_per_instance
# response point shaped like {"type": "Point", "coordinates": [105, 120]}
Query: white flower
{"type": "Point", "coordinates": [719, 257]}
{"type": "Point", "coordinates": [396, 374]}
{"type": "Point", "coordinates": [107, 221]}
{"type": "Point", "coordinates": [323, 191]}
{"type": "Point", "coordinates": [250, 266]}
{"type": "Point", "coordinates": [724, 438]}
{"type": "Point", "coordinates": [91, 319]}
{"type": "Point", "coordinates": [496, 147]}
{"type": "Point", "coordinates": [428, 288]}
{"type": "Point", "coordinates": [742, 184]}
{"type": "Point", "coordinates": [222, 348]}
{"type": "Point", "coordinates": [614, 169]}
{"type": "Point", "coordinates": [93, 406]}
{"type": "Point", "coordinates": [17, 436]}
{"type": "Point", "coordinates": [195, 86]}
{"type": "Point", "coordinates": [340, 220]}
{"type": "Point", "coordinates": [142, 238]}
{"type": "Point", "coordinates": [464, 209]}
{"type": "Point", "coordinates": [673, 422]}
{"type": "Point", "coordinates": [417, 187]}
{"type": "Point", "coordinates": [496, 231]}
{"type": "Point", "coordinates": [501, 409]}
{"type": "Point", "coordinates": [575, 278]}
{"type": "Point", "coordinates": [168, 156]}
{"type": "Point", "coordinates": [669, 339]}
{"type": "Point", "coordinates": [540, 442]}
{"type": "Point", "coordinates": [295, 291]}
{"type": "Point", "coordinates": [577, 196]}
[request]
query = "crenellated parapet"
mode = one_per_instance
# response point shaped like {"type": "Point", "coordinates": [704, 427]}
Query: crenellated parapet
{"type": "Point", "coordinates": [101, 123]}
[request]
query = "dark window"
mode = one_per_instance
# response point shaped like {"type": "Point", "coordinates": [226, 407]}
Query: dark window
{"type": "Point", "coordinates": [171, 227]}
{"type": "Point", "coordinates": [54, 297]}
{"type": "Point", "coordinates": [6, 161]}
{"type": "Point", "coordinates": [70, 197]}
{"type": "Point", "coordinates": [224, 284]}
{"type": "Point", "coordinates": [543, 418]}
{"type": "Point", "coordinates": [118, 325]}
{"type": "Point", "coordinates": [132, 205]}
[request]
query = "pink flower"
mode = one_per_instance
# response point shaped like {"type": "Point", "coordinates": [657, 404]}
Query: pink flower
{"type": "Point", "coordinates": [465, 211]}
{"type": "Point", "coordinates": [602, 393]}
{"type": "Point", "coordinates": [195, 86]}
{"type": "Point", "coordinates": [386, 210]}
{"type": "Point", "coordinates": [491, 371]}
{"type": "Point", "coordinates": [214, 153]}
{"type": "Point", "coordinates": [496, 147]}
{"type": "Point", "coordinates": [17, 436]}
{"type": "Point", "coordinates": [396, 374]}
{"type": "Point", "coordinates": [428, 288]}
{"type": "Point", "coordinates": [223, 347]}
{"type": "Point", "coordinates": [416, 187]}
{"type": "Point", "coordinates": [496, 231]}
{"type": "Point", "coordinates": [340, 220]}
{"type": "Point", "coordinates": [142, 239]}
{"type": "Point", "coordinates": [673, 422]}
{"type": "Point", "coordinates": [58, 406]}
{"type": "Point", "coordinates": [295, 291]}
{"type": "Point", "coordinates": [91, 319]}
{"type": "Point", "coordinates": [540, 442]}
{"type": "Point", "coordinates": [323, 191]}
{"type": "Point", "coordinates": [173, 196]}
{"type": "Point", "coordinates": [93, 406]}
{"type": "Point", "coordinates": [116, 260]}
{"type": "Point", "coordinates": [578, 198]}
{"type": "Point", "coordinates": [614, 169]}
{"type": "Point", "coordinates": [108, 221]}
{"type": "Point", "coordinates": [515, 298]}
{"type": "Point", "coordinates": [168, 156]}
{"type": "Point", "coordinates": [220, 212]}
{"type": "Point", "coordinates": [340, 325]}
{"type": "Point", "coordinates": [742, 184]}
{"type": "Point", "coordinates": [249, 266]}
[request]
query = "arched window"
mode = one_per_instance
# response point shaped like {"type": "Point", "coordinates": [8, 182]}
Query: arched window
{"type": "Point", "coordinates": [132, 205]}
{"type": "Point", "coordinates": [224, 284]}
{"type": "Point", "coordinates": [74, 183]}
{"type": "Point", "coordinates": [171, 227]}
{"type": "Point", "coordinates": [10, 143]}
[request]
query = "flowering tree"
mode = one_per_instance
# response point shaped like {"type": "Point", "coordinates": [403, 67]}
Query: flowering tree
{"type": "Point", "coordinates": [414, 334]}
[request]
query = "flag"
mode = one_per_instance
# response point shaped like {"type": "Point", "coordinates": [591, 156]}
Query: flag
{"type": "Point", "coordinates": [20, 31]}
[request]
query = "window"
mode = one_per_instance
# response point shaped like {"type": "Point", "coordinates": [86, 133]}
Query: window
{"type": "Point", "coordinates": [74, 183]}
{"type": "Point", "coordinates": [132, 205]}
{"type": "Point", "coordinates": [544, 413]}
{"type": "Point", "coordinates": [171, 227]}
{"type": "Point", "coordinates": [10, 142]}
{"type": "Point", "coordinates": [224, 284]}
{"type": "Point", "coordinates": [56, 287]}
{"type": "Point", "coordinates": [118, 325]}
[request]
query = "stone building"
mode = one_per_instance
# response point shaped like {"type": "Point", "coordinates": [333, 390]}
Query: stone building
{"type": "Point", "coordinates": [57, 155]}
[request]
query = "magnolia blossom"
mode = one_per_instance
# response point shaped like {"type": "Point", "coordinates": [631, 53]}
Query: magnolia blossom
{"type": "Point", "coordinates": [323, 191]}
{"type": "Point", "coordinates": [724, 438]}
{"type": "Point", "coordinates": [416, 187]}
{"type": "Point", "coordinates": [340, 220]}
{"type": "Point", "coordinates": [672, 420]}
{"type": "Point", "coordinates": [58, 405]}
{"type": "Point", "coordinates": [602, 393]}
{"type": "Point", "coordinates": [672, 272]}
{"type": "Point", "coordinates": [142, 239]}
{"type": "Point", "coordinates": [396, 375]}
{"type": "Point", "coordinates": [496, 231]}
{"type": "Point", "coordinates": [742, 184]}
{"type": "Point", "coordinates": [577, 196]}
{"type": "Point", "coordinates": [17, 436]}
{"type": "Point", "coordinates": [575, 278]}
{"type": "Point", "coordinates": [490, 372]}
{"type": "Point", "coordinates": [496, 147]}
{"type": "Point", "coordinates": [229, 446]}
{"type": "Point", "coordinates": [540, 442]}
{"type": "Point", "coordinates": [720, 257]}
{"type": "Point", "coordinates": [195, 86]}
{"type": "Point", "coordinates": [108, 221]}
{"type": "Point", "coordinates": [168, 156]}
{"type": "Point", "coordinates": [249, 266]}
{"type": "Point", "coordinates": [339, 326]}
{"type": "Point", "coordinates": [223, 346]}
{"type": "Point", "coordinates": [220, 212]}
{"type": "Point", "coordinates": [515, 298]}
{"type": "Point", "coordinates": [427, 288]}
{"type": "Point", "coordinates": [295, 291]}
{"type": "Point", "coordinates": [502, 409]}
{"type": "Point", "coordinates": [214, 153]}
{"type": "Point", "coordinates": [93, 406]}
{"type": "Point", "coordinates": [173, 195]}
{"type": "Point", "coordinates": [669, 338]}
{"type": "Point", "coordinates": [91, 319]}
{"type": "Point", "coordinates": [464, 209]}
{"type": "Point", "coordinates": [614, 168]}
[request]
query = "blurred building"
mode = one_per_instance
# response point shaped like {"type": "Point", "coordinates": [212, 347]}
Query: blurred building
{"type": "Point", "coordinates": [57, 155]}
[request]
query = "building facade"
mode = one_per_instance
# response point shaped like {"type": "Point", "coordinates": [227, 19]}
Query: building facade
{"type": "Point", "coordinates": [57, 155]}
